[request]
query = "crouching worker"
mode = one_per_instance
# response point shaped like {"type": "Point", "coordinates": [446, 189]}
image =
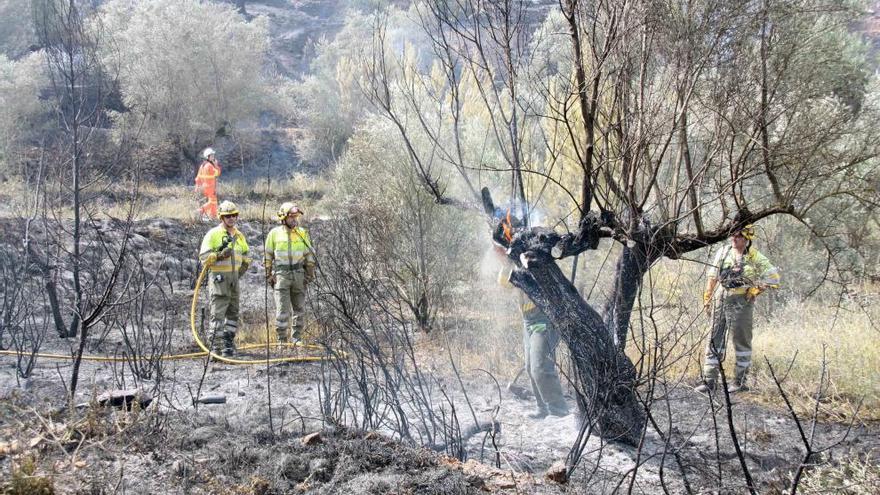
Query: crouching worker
{"type": "Point", "coordinates": [738, 275]}
{"type": "Point", "coordinates": [540, 339]}
{"type": "Point", "coordinates": [225, 251]}
{"type": "Point", "coordinates": [290, 267]}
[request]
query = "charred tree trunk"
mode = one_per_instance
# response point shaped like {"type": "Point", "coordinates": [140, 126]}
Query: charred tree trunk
{"type": "Point", "coordinates": [631, 268]}
{"type": "Point", "coordinates": [606, 377]}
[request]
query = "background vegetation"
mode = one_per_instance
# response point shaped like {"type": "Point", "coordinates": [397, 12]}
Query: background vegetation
{"type": "Point", "coordinates": [113, 138]}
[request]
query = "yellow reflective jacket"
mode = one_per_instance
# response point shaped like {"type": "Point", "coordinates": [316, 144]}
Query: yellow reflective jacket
{"type": "Point", "coordinates": [286, 247]}
{"type": "Point", "coordinates": [757, 270]}
{"type": "Point", "coordinates": [211, 244]}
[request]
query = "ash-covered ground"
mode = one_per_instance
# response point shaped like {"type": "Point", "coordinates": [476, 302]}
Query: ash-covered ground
{"type": "Point", "coordinates": [240, 444]}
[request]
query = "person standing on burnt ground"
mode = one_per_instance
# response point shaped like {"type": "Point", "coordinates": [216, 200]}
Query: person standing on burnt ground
{"type": "Point", "coordinates": [225, 251]}
{"type": "Point", "coordinates": [540, 339]}
{"type": "Point", "coordinates": [738, 275]}
{"type": "Point", "coordinates": [290, 267]}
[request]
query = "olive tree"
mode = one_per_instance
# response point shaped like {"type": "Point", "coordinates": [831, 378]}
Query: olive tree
{"type": "Point", "coordinates": [189, 71]}
{"type": "Point", "coordinates": [414, 244]}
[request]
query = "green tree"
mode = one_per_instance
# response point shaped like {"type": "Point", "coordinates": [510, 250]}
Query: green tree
{"type": "Point", "coordinates": [414, 243]}
{"type": "Point", "coordinates": [189, 71]}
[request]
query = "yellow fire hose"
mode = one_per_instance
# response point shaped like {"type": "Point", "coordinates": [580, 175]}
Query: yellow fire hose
{"type": "Point", "coordinates": [192, 355]}
{"type": "Point", "coordinates": [195, 334]}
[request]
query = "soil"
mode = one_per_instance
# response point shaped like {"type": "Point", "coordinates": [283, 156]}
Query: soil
{"type": "Point", "coordinates": [178, 445]}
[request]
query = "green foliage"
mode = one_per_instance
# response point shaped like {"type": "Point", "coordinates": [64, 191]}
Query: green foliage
{"type": "Point", "coordinates": [188, 70]}
{"type": "Point", "coordinates": [425, 248]}
{"type": "Point", "coordinates": [21, 111]}
{"type": "Point", "coordinates": [328, 102]}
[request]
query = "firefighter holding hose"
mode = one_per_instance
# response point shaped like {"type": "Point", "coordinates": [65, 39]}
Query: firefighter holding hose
{"type": "Point", "coordinates": [225, 251]}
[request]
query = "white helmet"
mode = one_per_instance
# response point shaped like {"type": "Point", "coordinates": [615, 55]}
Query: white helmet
{"type": "Point", "coordinates": [208, 152]}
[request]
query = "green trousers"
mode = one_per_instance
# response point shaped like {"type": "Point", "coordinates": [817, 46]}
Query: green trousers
{"type": "Point", "coordinates": [290, 298]}
{"type": "Point", "coordinates": [540, 339]}
{"type": "Point", "coordinates": [731, 313]}
{"type": "Point", "coordinates": [223, 291]}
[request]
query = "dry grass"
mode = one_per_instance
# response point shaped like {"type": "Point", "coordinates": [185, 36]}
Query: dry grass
{"type": "Point", "coordinates": [250, 334]}
{"type": "Point", "coordinates": [25, 479]}
{"type": "Point", "coordinates": [792, 337]}
{"type": "Point", "coordinates": [848, 340]}
{"type": "Point", "coordinates": [181, 202]}
{"type": "Point", "coordinates": [851, 475]}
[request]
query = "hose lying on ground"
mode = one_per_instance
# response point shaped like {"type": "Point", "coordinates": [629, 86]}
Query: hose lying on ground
{"type": "Point", "coordinates": [193, 355]}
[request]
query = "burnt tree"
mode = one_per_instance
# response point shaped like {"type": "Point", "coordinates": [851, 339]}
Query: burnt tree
{"type": "Point", "coordinates": [606, 378]}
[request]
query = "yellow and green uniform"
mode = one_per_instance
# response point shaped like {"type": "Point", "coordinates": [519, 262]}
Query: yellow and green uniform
{"type": "Point", "coordinates": [540, 339]}
{"type": "Point", "coordinates": [741, 278]}
{"type": "Point", "coordinates": [223, 286]}
{"type": "Point", "coordinates": [289, 257]}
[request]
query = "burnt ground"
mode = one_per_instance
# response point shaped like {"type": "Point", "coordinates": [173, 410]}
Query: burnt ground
{"type": "Point", "coordinates": [176, 446]}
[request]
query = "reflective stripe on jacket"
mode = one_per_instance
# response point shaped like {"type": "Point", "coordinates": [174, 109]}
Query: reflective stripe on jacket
{"type": "Point", "coordinates": [207, 176]}
{"type": "Point", "coordinates": [286, 247]}
{"type": "Point", "coordinates": [212, 242]}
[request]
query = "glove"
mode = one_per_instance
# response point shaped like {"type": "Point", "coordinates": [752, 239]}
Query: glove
{"type": "Point", "coordinates": [210, 259]}
{"type": "Point", "coordinates": [707, 302]}
{"type": "Point", "coordinates": [309, 274]}
{"type": "Point", "coordinates": [226, 253]}
{"type": "Point", "coordinates": [753, 293]}
{"type": "Point", "coordinates": [270, 279]}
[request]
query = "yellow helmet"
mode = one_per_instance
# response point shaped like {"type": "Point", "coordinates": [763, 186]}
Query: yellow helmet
{"type": "Point", "coordinates": [227, 208]}
{"type": "Point", "coordinates": [747, 231]}
{"type": "Point", "coordinates": [287, 208]}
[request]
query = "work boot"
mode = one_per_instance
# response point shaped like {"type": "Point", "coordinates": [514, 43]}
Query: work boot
{"type": "Point", "coordinates": [706, 387]}
{"type": "Point", "coordinates": [737, 387]}
{"type": "Point", "coordinates": [228, 344]}
{"type": "Point", "coordinates": [282, 336]}
{"type": "Point", "coordinates": [215, 341]}
{"type": "Point", "coordinates": [217, 346]}
{"type": "Point", "coordinates": [739, 383]}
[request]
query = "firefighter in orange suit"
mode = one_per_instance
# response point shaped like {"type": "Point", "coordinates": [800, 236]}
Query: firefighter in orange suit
{"type": "Point", "coordinates": [206, 183]}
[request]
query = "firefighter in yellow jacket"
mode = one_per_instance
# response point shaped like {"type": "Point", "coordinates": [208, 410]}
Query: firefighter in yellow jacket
{"type": "Point", "coordinates": [290, 266]}
{"type": "Point", "coordinates": [225, 250]}
{"type": "Point", "coordinates": [738, 275]}
{"type": "Point", "coordinates": [540, 339]}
